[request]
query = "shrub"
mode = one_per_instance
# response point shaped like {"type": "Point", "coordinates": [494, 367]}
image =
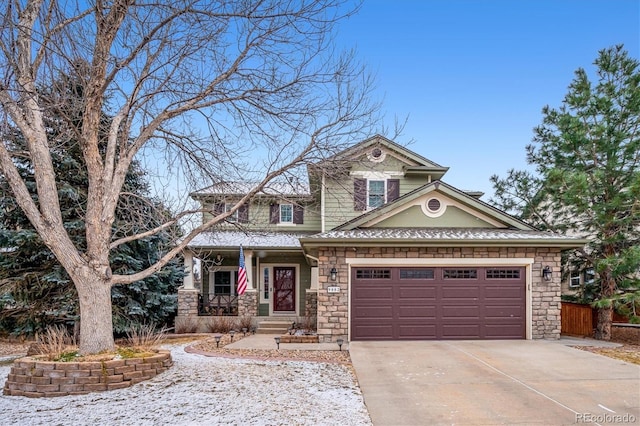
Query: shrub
{"type": "Point", "coordinates": [186, 325]}
{"type": "Point", "coordinates": [221, 324]}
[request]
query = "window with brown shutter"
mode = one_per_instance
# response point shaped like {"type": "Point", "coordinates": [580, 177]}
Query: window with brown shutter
{"type": "Point", "coordinates": [243, 213]}
{"type": "Point", "coordinates": [393, 189]}
{"type": "Point", "coordinates": [298, 215]}
{"type": "Point", "coordinates": [359, 194]}
{"type": "Point", "coordinates": [274, 213]}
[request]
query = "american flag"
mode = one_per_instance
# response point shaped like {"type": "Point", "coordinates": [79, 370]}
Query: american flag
{"type": "Point", "coordinates": [242, 274]}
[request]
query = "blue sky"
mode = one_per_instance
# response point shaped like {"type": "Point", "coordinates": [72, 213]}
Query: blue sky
{"type": "Point", "coordinates": [473, 76]}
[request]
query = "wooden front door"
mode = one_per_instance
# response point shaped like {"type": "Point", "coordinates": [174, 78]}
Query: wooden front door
{"type": "Point", "coordinates": [284, 289]}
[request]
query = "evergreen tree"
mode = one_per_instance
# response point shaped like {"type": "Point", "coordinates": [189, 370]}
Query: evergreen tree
{"type": "Point", "coordinates": [587, 180]}
{"type": "Point", "coordinates": [35, 290]}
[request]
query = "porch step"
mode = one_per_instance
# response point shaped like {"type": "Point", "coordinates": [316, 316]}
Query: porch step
{"type": "Point", "coordinates": [274, 326]}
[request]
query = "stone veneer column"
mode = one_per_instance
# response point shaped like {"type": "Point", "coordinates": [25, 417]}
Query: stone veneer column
{"type": "Point", "coordinates": [332, 308]}
{"type": "Point", "coordinates": [188, 302]}
{"type": "Point", "coordinates": [248, 304]}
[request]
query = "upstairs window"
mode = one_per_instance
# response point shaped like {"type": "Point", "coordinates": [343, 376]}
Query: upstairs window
{"type": "Point", "coordinates": [286, 213]}
{"type": "Point", "coordinates": [373, 193]}
{"type": "Point", "coordinates": [377, 191]}
{"type": "Point", "coordinates": [234, 216]}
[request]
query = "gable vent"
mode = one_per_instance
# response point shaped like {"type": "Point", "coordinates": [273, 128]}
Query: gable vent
{"type": "Point", "coordinates": [433, 205]}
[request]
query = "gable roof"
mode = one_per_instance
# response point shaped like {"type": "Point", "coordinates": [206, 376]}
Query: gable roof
{"type": "Point", "coordinates": [462, 197]}
{"type": "Point", "coordinates": [273, 188]}
{"type": "Point", "coordinates": [420, 164]}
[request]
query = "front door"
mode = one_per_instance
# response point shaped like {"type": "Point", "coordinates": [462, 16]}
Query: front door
{"type": "Point", "coordinates": [284, 289]}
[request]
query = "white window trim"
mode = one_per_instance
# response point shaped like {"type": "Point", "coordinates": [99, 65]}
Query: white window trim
{"type": "Point", "coordinates": [384, 192]}
{"type": "Point", "coordinates": [280, 221]}
{"type": "Point", "coordinates": [234, 216]}
{"type": "Point", "coordinates": [575, 274]}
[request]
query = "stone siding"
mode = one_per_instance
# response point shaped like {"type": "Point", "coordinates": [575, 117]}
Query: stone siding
{"type": "Point", "coordinates": [35, 378]}
{"type": "Point", "coordinates": [187, 302]}
{"type": "Point", "coordinates": [333, 308]}
{"type": "Point", "coordinates": [311, 303]}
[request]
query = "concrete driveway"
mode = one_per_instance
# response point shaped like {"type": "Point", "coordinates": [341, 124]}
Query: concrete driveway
{"type": "Point", "coordinates": [494, 382]}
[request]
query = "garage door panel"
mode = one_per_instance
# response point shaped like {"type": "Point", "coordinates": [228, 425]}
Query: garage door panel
{"type": "Point", "coordinates": [416, 331]}
{"type": "Point", "coordinates": [367, 312]}
{"type": "Point", "coordinates": [503, 292]}
{"type": "Point", "coordinates": [460, 331]}
{"type": "Point", "coordinates": [505, 311]}
{"type": "Point", "coordinates": [460, 292]}
{"type": "Point", "coordinates": [374, 332]}
{"type": "Point", "coordinates": [417, 292]}
{"type": "Point", "coordinates": [381, 293]}
{"type": "Point", "coordinates": [435, 307]}
{"type": "Point", "coordinates": [460, 312]}
{"type": "Point", "coordinates": [416, 311]}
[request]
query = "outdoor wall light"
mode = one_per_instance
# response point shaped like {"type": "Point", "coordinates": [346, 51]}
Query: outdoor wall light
{"type": "Point", "coordinates": [218, 260]}
{"type": "Point", "coordinates": [232, 333]}
{"type": "Point", "coordinates": [547, 273]}
{"type": "Point", "coordinates": [217, 337]}
{"type": "Point", "coordinates": [340, 343]}
{"type": "Point", "coordinates": [333, 274]}
{"type": "Point", "coordinates": [277, 339]}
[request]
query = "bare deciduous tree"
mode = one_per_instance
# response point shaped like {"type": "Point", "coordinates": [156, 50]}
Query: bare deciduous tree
{"type": "Point", "coordinates": [234, 90]}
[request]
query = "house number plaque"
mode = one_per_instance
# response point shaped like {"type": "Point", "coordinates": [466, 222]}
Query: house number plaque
{"type": "Point", "coordinates": [333, 289]}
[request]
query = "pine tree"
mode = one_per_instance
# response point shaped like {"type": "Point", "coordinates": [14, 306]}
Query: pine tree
{"type": "Point", "coordinates": [35, 291]}
{"type": "Point", "coordinates": [587, 180]}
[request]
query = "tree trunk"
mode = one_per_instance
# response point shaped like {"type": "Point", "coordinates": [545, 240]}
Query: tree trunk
{"type": "Point", "coordinates": [96, 325]}
{"type": "Point", "coordinates": [603, 328]}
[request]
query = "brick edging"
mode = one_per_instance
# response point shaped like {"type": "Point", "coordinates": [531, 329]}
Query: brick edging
{"type": "Point", "coordinates": [34, 378]}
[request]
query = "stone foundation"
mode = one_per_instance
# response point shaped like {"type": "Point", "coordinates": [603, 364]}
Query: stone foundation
{"type": "Point", "coordinates": [34, 378]}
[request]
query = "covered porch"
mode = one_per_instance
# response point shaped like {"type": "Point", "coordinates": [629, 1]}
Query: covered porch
{"type": "Point", "coordinates": [282, 282]}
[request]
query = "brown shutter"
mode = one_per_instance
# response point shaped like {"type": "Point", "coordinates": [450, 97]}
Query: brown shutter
{"type": "Point", "coordinates": [243, 213]}
{"type": "Point", "coordinates": [298, 215]}
{"type": "Point", "coordinates": [359, 194]}
{"type": "Point", "coordinates": [393, 189]}
{"type": "Point", "coordinates": [274, 213]}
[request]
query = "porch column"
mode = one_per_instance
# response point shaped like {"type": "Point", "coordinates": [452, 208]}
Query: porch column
{"type": "Point", "coordinates": [248, 263]}
{"type": "Point", "coordinates": [188, 269]}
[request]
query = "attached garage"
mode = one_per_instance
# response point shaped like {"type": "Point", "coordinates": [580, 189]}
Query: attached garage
{"type": "Point", "coordinates": [438, 303]}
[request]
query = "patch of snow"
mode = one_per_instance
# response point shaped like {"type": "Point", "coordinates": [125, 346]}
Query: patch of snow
{"type": "Point", "coordinates": [208, 390]}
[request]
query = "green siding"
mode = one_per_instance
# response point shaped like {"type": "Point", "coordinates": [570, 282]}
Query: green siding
{"type": "Point", "coordinates": [414, 217]}
{"type": "Point", "coordinates": [259, 219]}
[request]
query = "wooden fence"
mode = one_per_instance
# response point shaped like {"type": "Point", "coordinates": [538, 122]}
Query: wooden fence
{"type": "Point", "coordinates": [577, 319]}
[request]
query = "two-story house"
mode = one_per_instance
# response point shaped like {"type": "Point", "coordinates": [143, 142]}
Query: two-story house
{"type": "Point", "coordinates": [379, 247]}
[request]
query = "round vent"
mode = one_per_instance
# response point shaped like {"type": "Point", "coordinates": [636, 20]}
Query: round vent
{"type": "Point", "coordinates": [433, 205]}
{"type": "Point", "coordinates": [376, 153]}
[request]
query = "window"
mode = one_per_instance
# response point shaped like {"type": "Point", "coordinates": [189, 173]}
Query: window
{"type": "Point", "coordinates": [589, 276]}
{"type": "Point", "coordinates": [224, 282]}
{"type": "Point", "coordinates": [234, 216]}
{"type": "Point", "coordinates": [460, 274]}
{"type": "Point", "coordinates": [373, 273]}
{"type": "Point", "coordinates": [376, 193]}
{"type": "Point", "coordinates": [265, 283]}
{"type": "Point", "coordinates": [415, 274]}
{"type": "Point", "coordinates": [286, 213]}
{"type": "Point", "coordinates": [574, 279]}
{"type": "Point", "coordinates": [502, 274]}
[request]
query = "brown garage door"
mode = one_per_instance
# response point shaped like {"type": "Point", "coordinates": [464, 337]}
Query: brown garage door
{"type": "Point", "coordinates": [437, 303]}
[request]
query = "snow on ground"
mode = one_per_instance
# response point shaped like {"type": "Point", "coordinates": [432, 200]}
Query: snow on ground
{"type": "Point", "coordinates": [208, 390]}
